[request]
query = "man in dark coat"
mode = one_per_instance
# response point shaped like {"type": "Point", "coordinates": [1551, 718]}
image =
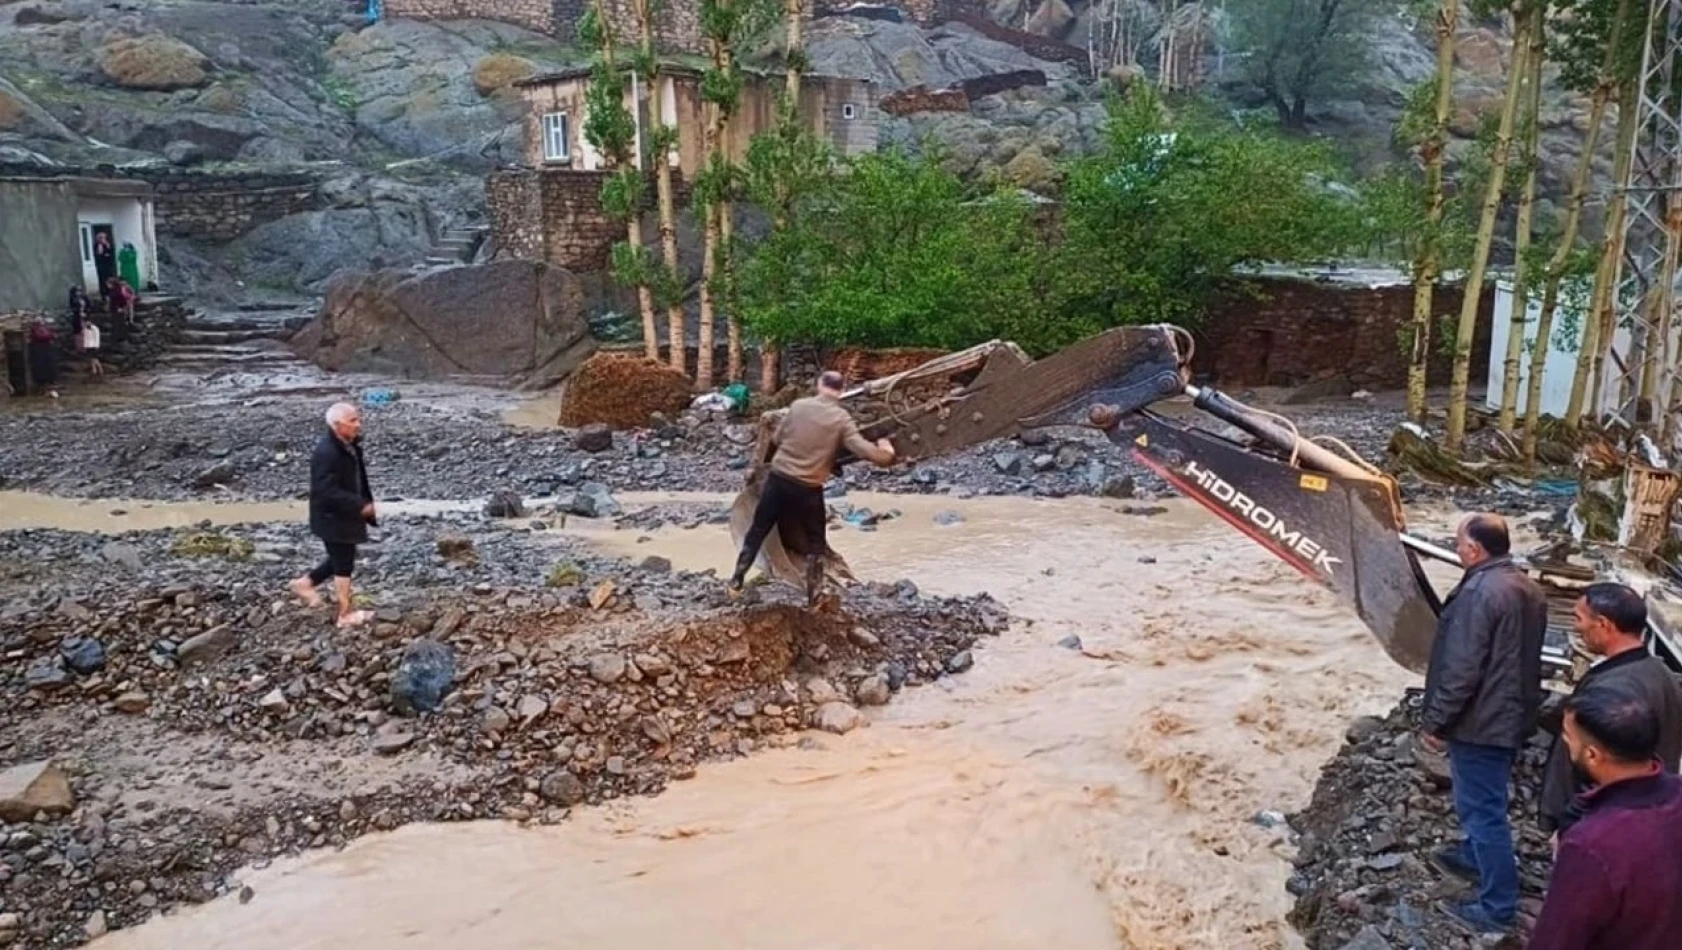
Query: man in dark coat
{"type": "Point", "coordinates": [1611, 622]}
{"type": "Point", "coordinates": [1617, 881]}
{"type": "Point", "coordinates": [1482, 693]}
{"type": "Point", "coordinates": [341, 509]}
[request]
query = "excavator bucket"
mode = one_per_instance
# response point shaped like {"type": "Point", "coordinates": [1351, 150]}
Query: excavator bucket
{"type": "Point", "coordinates": [965, 398]}
{"type": "Point", "coordinates": [1342, 529]}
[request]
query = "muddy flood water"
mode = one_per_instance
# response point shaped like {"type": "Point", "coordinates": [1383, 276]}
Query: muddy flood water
{"type": "Point", "coordinates": [1100, 797]}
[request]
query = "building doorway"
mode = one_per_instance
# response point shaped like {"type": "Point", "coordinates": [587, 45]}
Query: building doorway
{"type": "Point", "coordinates": [89, 232]}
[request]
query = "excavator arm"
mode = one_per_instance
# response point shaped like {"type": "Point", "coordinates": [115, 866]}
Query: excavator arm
{"type": "Point", "coordinates": [1315, 505]}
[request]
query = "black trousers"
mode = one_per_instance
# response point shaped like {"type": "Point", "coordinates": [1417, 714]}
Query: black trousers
{"type": "Point", "coordinates": [341, 560]}
{"type": "Point", "coordinates": [797, 511]}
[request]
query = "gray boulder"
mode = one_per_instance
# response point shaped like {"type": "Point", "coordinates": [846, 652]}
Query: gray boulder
{"type": "Point", "coordinates": [503, 319]}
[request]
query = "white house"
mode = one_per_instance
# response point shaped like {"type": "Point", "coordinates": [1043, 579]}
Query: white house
{"type": "Point", "coordinates": [49, 221]}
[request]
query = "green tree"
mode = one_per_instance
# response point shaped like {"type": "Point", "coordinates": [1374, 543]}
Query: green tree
{"type": "Point", "coordinates": [1164, 212]}
{"type": "Point", "coordinates": [892, 252]}
{"type": "Point", "coordinates": [1298, 51]}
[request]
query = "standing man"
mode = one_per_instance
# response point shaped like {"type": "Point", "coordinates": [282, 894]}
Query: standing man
{"type": "Point", "coordinates": [341, 509]}
{"type": "Point", "coordinates": [1482, 692]}
{"type": "Point", "coordinates": [1611, 621]}
{"type": "Point", "coordinates": [811, 434]}
{"type": "Point", "coordinates": [1617, 881]}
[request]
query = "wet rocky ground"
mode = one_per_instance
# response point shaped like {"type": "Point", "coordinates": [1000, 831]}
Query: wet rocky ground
{"type": "Point", "coordinates": [1364, 878]}
{"type": "Point", "coordinates": [196, 719]}
{"type": "Point", "coordinates": [260, 450]}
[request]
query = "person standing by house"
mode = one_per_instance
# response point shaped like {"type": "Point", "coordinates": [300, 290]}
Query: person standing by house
{"type": "Point", "coordinates": [811, 434]}
{"type": "Point", "coordinates": [128, 265]}
{"type": "Point", "coordinates": [1617, 880]}
{"type": "Point", "coordinates": [84, 332]}
{"type": "Point", "coordinates": [120, 299]}
{"type": "Point", "coordinates": [1611, 622]}
{"type": "Point", "coordinates": [341, 509]}
{"type": "Point", "coordinates": [1482, 692]}
{"type": "Point", "coordinates": [104, 264]}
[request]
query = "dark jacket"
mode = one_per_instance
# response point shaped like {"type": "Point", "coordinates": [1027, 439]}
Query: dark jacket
{"type": "Point", "coordinates": [338, 490]}
{"type": "Point", "coordinates": [1642, 673]}
{"type": "Point", "coordinates": [1484, 684]}
{"type": "Point", "coordinates": [1617, 883]}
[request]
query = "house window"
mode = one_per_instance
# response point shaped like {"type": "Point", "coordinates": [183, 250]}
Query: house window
{"type": "Point", "coordinates": [849, 111]}
{"type": "Point", "coordinates": [555, 137]}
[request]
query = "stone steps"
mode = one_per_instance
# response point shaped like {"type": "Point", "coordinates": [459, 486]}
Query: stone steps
{"type": "Point", "coordinates": [219, 335]}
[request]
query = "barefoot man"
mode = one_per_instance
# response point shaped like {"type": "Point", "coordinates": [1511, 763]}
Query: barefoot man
{"type": "Point", "coordinates": [341, 509]}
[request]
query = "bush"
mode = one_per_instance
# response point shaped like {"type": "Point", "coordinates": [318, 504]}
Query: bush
{"type": "Point", "coordinates": [499, 71]}
{"type": "Point", "coordinates": [892, 252]}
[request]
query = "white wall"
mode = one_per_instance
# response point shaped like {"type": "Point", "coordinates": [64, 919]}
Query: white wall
{"type": "Point", "coordinates": [1561, 364]}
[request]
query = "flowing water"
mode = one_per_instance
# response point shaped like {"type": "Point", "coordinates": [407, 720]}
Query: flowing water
{"type": "Point", "coordinates": [1093, 798]}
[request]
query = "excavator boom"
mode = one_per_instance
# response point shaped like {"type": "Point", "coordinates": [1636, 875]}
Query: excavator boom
{"type": "Point", "coordinates": [1317, 507]}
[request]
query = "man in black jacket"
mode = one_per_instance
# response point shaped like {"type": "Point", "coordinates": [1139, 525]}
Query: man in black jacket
{"type": "Point", "coordinates": [1611, 622]}
{"type": "Point", "coordinates": [1482, 692]}
{"type": "Point", "coordinates": [341, 509]}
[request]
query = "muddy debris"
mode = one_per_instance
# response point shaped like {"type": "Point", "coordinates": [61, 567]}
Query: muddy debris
{"type": "Point", "coordinates": [1363, 871]}
{"type": "Point", "coordinates": [231, 725]}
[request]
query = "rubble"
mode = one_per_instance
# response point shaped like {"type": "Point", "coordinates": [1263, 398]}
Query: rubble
{"type": "Point", "coordinates": [478, 692]}
{"type": "Point", "coordinates": [1363, 864]}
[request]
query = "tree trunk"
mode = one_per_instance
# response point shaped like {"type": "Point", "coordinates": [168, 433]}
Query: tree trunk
{"type": "Point", "coordinates": [1568, 239]}
{"type": "Point", "coordinates": [1460, 381]}
{"type": "Point", "coordinates": [796, 51]}
{"type": "Point", "coordinates": [704, 334]}
{"type": "Point", "coordinates": [1429, 263]}
{"type": "Point", "coordinates": [1526, 207]}
{"type": "Point", "coordinates": [660, 155]}
{"type": "Point", "coordinates": [1596, 331]}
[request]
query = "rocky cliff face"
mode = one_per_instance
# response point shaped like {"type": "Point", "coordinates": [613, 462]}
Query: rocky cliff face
{"type": "Point", "coordinates": [403, 118]}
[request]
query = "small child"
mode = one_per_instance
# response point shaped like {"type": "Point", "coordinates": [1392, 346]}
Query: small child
{"type": "Point", "coordinates": [90, 348]}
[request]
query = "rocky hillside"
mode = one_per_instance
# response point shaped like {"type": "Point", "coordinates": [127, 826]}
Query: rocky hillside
{"type": "Point", "coordinates": [404, 117]}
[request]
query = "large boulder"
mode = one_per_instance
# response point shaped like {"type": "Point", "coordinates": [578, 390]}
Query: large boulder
{"type": "Point", "coordinates": [153, 61]}
{"type": "Point", "coordinates": [19, 113]}
{"type": "Point", "coordinates": [498, 71]}
{"type": "Point", "coordinates": [901, 55]}
{"type": "Point", "coordinates": [505, 320]}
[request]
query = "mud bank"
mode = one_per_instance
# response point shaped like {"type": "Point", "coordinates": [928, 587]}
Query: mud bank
{"type": "Point", "coordinates": [1090, 780]}
{"type": "Point", "coordinates": [1379, 811]}
{"type": "Point", "coordinates": [208, 723]}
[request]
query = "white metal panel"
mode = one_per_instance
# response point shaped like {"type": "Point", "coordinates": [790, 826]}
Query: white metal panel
{"type": "Point", "coordinates": [1561, 364]}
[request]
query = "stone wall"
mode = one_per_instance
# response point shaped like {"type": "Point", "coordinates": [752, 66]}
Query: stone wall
{"type": "Point", "coordinates": [1286, 332]}
{"type": "Point", "coordinates": [956, 98]}
{"type": "Point", "coordinates": [535, 15]}
{"type": "Point", "coordinates": [554, 216]}
{"type": "Point", "coordinates": [220, 206]}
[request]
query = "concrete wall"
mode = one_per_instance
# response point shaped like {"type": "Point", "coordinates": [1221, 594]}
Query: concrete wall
{"type": "Point", "coordinates": [39, 257]}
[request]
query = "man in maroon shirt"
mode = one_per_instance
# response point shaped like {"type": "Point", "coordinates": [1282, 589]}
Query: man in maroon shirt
{"type": "Point", "coordinates": [1617, 881]}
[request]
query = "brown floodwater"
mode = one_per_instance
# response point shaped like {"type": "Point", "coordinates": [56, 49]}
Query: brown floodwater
{"type": "Point", "coordinates": [1092, 798]}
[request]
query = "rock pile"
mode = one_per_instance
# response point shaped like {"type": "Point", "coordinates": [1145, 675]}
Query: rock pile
{"type": "Point", "coordinates": [622, 391]}
{"type": "Point", "coordinates": [1364, 877]}
{"type": "Point", "coordinates": [227, 725]}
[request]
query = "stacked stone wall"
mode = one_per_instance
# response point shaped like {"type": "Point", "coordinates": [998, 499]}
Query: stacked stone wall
{"type": "Point", "coordinates": [535, 15]}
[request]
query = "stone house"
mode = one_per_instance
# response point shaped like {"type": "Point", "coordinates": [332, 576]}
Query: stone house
{"type": "Point", "coordinates": [843, 111]}
{"type": "Point", "coordinates": [551, 209]}
{"type": "Point", "coordinates": [48, 230]}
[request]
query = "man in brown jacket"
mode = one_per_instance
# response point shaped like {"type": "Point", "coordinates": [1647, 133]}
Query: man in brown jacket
{"type": "Point", "coordinates": [811, 434]}
{"type": "Point", "coordinates": [1611, 622]}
